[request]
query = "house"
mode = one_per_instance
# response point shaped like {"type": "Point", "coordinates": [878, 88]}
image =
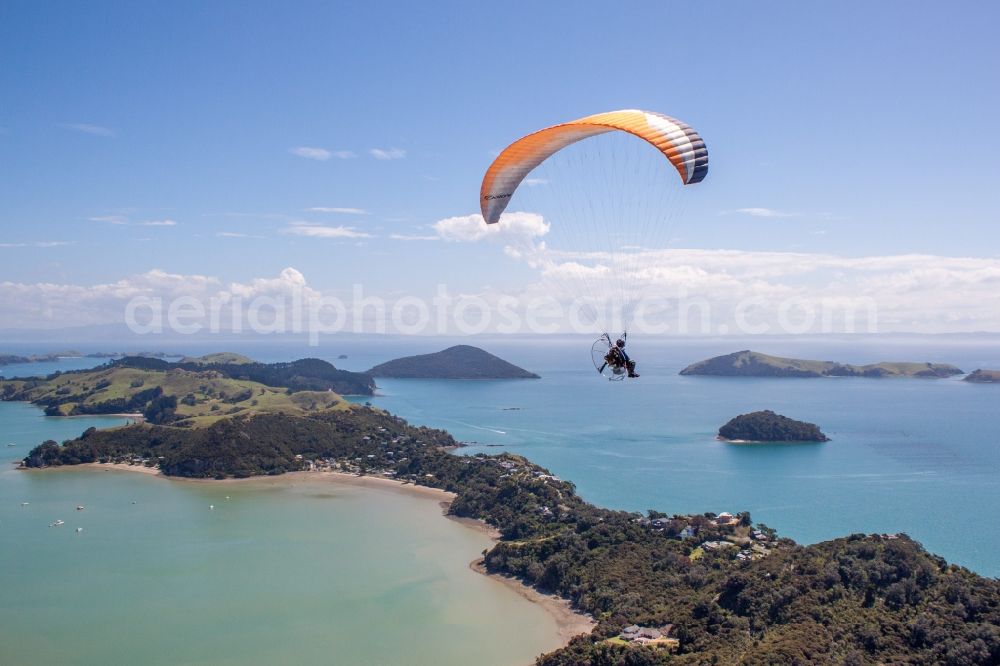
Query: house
{"type": "Point", "coordinates": [724, 518]}
{"type": "Point", "coordinates": [688, 532]}
{"type": "Point", "coordinates": [649, 636]}
{"type": "Point", "coordinates": [660, 523]}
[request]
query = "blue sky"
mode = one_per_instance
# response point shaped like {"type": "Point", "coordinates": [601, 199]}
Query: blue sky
{"type": "Point", "coordinates": [865, 129]}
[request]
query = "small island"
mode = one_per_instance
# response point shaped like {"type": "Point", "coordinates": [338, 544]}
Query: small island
{"type": "Point", "coordinates": [458, 362]}
{"type": "Point", "coordinates": [766, 426]}
{"type": "Point", "coordinates": [983, 377]}
{"type": "Point", "coordinates": [754, 364]}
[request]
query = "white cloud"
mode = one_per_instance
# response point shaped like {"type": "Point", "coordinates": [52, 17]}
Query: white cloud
{"type": "Point", "coordinates": [39, 244]}
{"type": "Point", "coordinates": [763, 212]}
{"type": "Point", "coordinates": [343, 154]}
{"type": "Point", "coordinates": [234, 234]}
{"type": "Point", "coordinates": [158, 223]}
{"type": "Point", "coordinates": [95, 130]}
{"type": "Point", "coordinates": [343, 211]}
{"type": "Point", "coordinates": [515, 227]}
{"type": "Point", "coordinates": [913, 293]}
{"type": "Point", "coordinates": [320, 154]}
{"type": "Point", "coordinates": [287, 282]}
{"type": "Point", "coordinates": [109, 219]}
{"type": "Point", "coordinates": [388, 153]}
{"type": "Point", "coordinates": [408, 237]}
{"type": "Point", "coordinates": [320, 231]}
{"type": "Point", "coordinates": [519, 232]}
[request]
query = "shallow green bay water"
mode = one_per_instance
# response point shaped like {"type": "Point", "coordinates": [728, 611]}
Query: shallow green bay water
{"type": "Point", "coordinates": [278, 573]}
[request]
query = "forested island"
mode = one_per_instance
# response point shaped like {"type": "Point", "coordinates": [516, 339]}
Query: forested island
{"type": "Point", "coordinates": [983, 377]}
{"type": "Point", "coordinates": [686, 589]}
{"type": "Point", "coordinates": [458, 362]}
{"type": "Point", "coordinates": [193, 391]}
{"type": "Point", "coordinates": [754, 364]}
{"type": "Point", "coordinates": [766, 426]}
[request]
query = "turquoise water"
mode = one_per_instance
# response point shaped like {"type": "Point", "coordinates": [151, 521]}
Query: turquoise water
{"type": "Point", "coordinates": [908, 455]}
{"type": "Point", "coordinates": [309, 572]}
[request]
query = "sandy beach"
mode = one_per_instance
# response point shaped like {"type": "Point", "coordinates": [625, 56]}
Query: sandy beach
{"type": "Point", "coordinates": [122, 467]}
{"type": "Point", "coordinates": [569, 623]}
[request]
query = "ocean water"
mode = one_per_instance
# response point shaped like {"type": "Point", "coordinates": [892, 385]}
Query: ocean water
{"type": "Point", "coordinates": [908, 455]}
{"type": "Point", "coordinates": [310, 572]}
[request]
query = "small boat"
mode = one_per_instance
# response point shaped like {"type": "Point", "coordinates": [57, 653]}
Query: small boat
{"type": "Point", "coordinates": [58, 523]}
{"type": "Point", "coordinates": [79, 529]}
{"type": "Point", "coordinates": [25, 503]}
{"type": "Point", "coordinates": [79, 507]}
{"type": "Point", "coordinates": [12, 444]}
{"type": "Point", "coordinates": [211, 507]}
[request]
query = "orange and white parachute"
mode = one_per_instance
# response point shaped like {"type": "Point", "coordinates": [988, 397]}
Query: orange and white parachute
{"type": "Point", "coordinates": [678, 142]}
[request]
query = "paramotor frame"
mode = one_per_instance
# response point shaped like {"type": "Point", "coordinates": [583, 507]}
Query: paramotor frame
{"type": "Point", "coordinates": [600, 353]}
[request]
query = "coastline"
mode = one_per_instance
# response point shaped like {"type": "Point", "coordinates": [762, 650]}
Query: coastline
{"type": "Point", "coordinates": [760, 441]}
{"type": "Point", "coordinates": [569, 622]}
{"type": "Point", "coordinates": [138, 416]}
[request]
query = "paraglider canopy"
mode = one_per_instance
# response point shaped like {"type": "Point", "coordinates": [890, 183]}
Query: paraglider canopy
{"type": "Point", "coordinates": [677, 141]}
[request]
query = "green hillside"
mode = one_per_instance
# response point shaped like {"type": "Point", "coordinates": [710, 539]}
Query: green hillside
{"type": "Point", "coordinates": [192, 398]}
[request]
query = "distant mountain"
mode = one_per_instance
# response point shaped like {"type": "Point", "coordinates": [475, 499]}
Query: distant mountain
{"type": "Point", "coordinates": [766, 426]}
{"type": "Point", "coordinates": [458, 362]}
{"type": "Point", "coordinates": [754, 364]}
{"type": "Point", "coordinates": [984, 377]}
